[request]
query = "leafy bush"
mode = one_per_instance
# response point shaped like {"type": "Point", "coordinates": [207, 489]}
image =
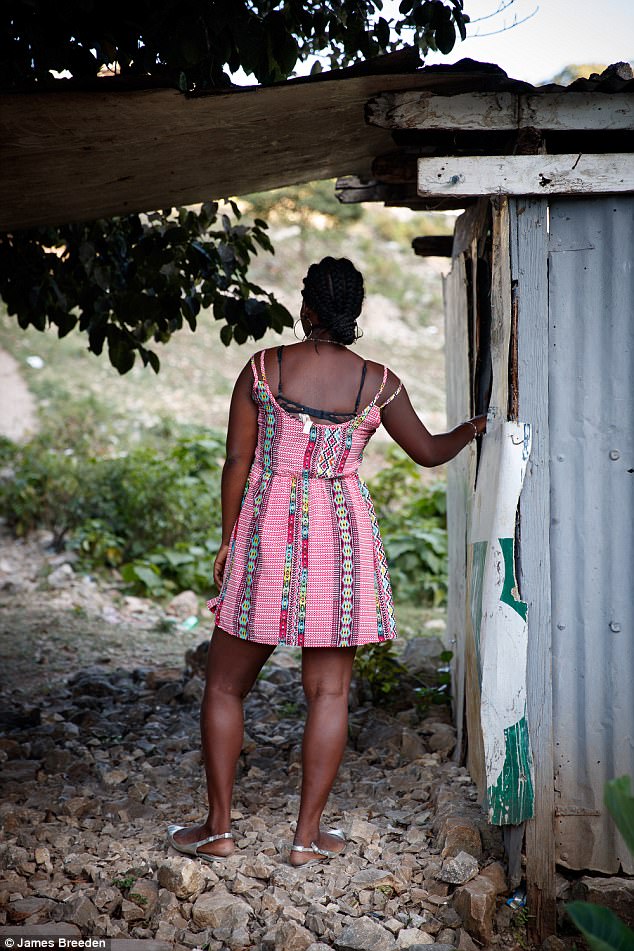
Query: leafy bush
{"type": "Point", "coordinates": [413, 520]}
{"type": "Point", "coordinates": [379, 672]}
{"type": "Point", "coordinates": [601, 928]}
{"type": "Point", "coordinates": [384, 680]}
{"type": "Point", "coordinates": [153, 513]}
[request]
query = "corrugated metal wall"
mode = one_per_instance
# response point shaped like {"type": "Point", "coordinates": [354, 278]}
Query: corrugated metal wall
{"type": "Point", "coordinates": [591, 429]}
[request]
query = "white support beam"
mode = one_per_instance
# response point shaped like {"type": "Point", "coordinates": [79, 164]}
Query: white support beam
{"type": "Point", "coordinates": [567, 111]}
{"type": "Point", "coordinates": [575, 174]}
{"type": "Point", "coordinates": [499, 111]}
{"type": "Point", "coordinates": [481, 111]}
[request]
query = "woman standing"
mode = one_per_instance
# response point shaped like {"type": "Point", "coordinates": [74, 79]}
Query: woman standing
{"type": "Point", "coordinates": [301, 560]}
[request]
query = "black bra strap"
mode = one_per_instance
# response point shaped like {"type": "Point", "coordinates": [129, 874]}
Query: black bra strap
{"type": "Point", "coordinates": [279, 364]}
{"type": "Point", "coordinates": [292, 406]}
{"type": "Point", "coordinates": [356, 405]}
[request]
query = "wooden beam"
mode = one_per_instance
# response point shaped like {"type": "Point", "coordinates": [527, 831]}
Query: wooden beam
{"type": "Point", "coordinates": [351, 190]}
{"type": "Point", "coordinates": [495, 111]}
{"type": "Point", "coordinates": [529, 276]}
{"type": "Point", "coordinates": [432, 204]}
{"type": "Point", "coordinates": [424, 110]}
{"type": "Point", "coordinates": [433, 246]}
{"type": "Point", "coordinates": [73, 155]}
{"type": "Point", "coordinates": [396, 167]}
{"type": "Point", "coordinates": [526, 175]}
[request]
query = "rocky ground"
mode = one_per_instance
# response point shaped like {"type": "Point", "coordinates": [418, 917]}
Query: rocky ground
{"type": "Point", "coordinates": [101, 752]}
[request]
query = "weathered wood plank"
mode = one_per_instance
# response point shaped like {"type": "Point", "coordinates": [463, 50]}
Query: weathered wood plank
{"type": "Point", "coordinates": [565, 111]}
{"type": "Point", "coordinates": [431, 204]}
{"type": "Point", "coordinates": [496, 111]}
{"type": "Point", "coordinates": [351, 190]}
{"type": "Point", "coordinates": [526, 175]}
{"type": "Point", "coordinates": [470, 227]}
{"type": "Point", "coordinates": [396, 167]}
{"type": "Point", "coordinates": [424, 110]}
{"type": "Point", "coordinates": [529, 263]}
{"type": "Point", "coordinates": [436, 245]}
{"type": "Point", "coordinates": [458, 483]}
{"type": "Point", "coordinates": [72, 156]}
{"type": "Point", "coordinates": [500, 309]}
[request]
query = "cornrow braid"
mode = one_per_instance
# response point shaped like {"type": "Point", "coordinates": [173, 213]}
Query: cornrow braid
{"type": "Point", "coordinates": [333, 289]}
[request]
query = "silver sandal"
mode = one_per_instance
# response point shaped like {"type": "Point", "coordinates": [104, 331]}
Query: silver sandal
{"type": "Point", "coordinates": [324, 853]}
{"type": "Point", "coordinates": [191, 848]}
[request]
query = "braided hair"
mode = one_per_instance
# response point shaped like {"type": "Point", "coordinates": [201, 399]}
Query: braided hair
{"type": "Point", "coordinates": [333, 289]}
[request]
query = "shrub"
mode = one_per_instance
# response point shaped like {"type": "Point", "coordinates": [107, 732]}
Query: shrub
{"type": "Point", "coordinates": [413, 520]}
{"type": "Point", "coordinates": [154, 513]}
{"type": "Point", "coordinates": [601, 928]}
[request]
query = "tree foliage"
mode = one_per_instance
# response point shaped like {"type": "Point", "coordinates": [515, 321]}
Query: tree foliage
{"type": "Point", "coordinates": [127, 281]}
{"type": "Point", "coordinates": [197, 44]}
{"type": "Point", "coordinates": [131, 280]}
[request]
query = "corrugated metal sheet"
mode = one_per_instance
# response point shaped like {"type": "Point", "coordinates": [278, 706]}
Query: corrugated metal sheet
{"type": "Point", "coordinates": [591, 423]}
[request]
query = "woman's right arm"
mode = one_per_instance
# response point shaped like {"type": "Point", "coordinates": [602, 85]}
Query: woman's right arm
{"type": "Point", "coordinates": [242, 434]}
{"type": "Point", "coordinates": [405, 428]}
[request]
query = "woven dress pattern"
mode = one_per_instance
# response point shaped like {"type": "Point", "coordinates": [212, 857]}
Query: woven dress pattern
{"type": "Point", "coordinates": [306, 565]}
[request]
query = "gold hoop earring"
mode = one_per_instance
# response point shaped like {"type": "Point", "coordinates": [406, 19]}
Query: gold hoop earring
{"type": "Point", "coordinates": [295, 334]}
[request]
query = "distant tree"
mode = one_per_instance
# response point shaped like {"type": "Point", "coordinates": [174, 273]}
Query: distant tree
{"type": "Point", "coordinates": [574, 71]}
{"type": "Point", "coordinates": [130, 281]}
{"type": "Point", "coordinates": [300, 204]}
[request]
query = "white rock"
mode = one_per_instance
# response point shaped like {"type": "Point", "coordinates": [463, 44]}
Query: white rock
{"type": "Point", "coordinates": [411, 936]}
{"type": "Point", "coordinates": [220, 909]}
{"type": "Point", "coordinates": [182, 877]}
{"type": "Point", "coordinates": [61, 577]}
{"type": "Point", "coordinates": [184, 605]}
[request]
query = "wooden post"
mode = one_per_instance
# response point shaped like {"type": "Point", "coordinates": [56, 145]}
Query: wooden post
{"type": "Point", "coordinates": [529, 273]}
{"type": "Point", "coordinates": [433, 246]}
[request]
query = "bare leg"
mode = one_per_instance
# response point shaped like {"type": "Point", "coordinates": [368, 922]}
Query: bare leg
{"type": "Point", "coordinates": [232, 668]}
{"type": "Point", "coordinates": [326, 674]}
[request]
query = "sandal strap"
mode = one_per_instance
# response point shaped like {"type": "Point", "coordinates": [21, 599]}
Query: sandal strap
{"type": "Point", "coordinates": [302, 848]}
{"type": "Point", "coordinates": [327, 853]}
{"type": "Point", "coordinates": [214, 838]}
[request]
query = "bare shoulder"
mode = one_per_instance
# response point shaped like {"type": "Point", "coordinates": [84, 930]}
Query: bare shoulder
{"type": "Point", "coordinates": [375, 373]}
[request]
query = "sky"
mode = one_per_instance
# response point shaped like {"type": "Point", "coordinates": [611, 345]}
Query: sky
{"type": "Point", "coordinates": [553, 34]}
{"type": "Point", "coordinates": [559, 33]}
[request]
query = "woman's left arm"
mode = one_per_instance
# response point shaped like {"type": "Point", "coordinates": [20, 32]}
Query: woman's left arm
{"type": "Point", "coordinates": [242, 435]}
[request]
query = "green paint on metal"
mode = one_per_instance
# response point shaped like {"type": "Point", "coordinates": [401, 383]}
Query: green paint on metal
{"type": "Point", "coordinates": [510, 585]}
{"type": "Point", "coordinates": [511, 799]}
{"type": "Point", "coordinates": [477, 587]}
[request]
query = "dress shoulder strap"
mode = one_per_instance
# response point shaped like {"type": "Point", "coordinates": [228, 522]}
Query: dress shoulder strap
{"type": "Point", "coordinates": [262, 370]}
{"type": "Point", "coordinates": [382, 387]}
{"type": "Point", "coordinates": [393, 396]}
{"type": "Point", "coordinates": [254, 369]}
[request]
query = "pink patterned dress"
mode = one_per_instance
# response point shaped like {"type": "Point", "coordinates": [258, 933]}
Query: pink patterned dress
{"type": "Point", "coordinates": [306, 564]}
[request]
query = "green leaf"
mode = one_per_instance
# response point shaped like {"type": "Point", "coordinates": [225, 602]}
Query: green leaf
{"type": "Point", "coordinates": [445, 36]}
{"type": "Point", "coordinates": [618, 798]}
{"type": "Point", "coordinates": [240, 333]}
{"type": "Point", "coordinates": [226, 334]}
{"type": "Point", "coordinates": [382, 30]}
{"type": "Point", "coordinates": [601, 928]}
{"type": "Point", "coordinates": [461, 23]}
{"type": "Point", "coordinates": [119, 351]}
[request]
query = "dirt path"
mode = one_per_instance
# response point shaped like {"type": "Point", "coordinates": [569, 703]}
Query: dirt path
{"type": "Point", "coordinates": [18, 413]}
{"type": "Point", "coordinates": [101, 752]}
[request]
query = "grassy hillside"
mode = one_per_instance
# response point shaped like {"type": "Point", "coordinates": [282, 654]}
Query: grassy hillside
{"type": "Point", "coordinates": [86, 408]}
{"type": "Point", "coordinates": [402, 323]}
